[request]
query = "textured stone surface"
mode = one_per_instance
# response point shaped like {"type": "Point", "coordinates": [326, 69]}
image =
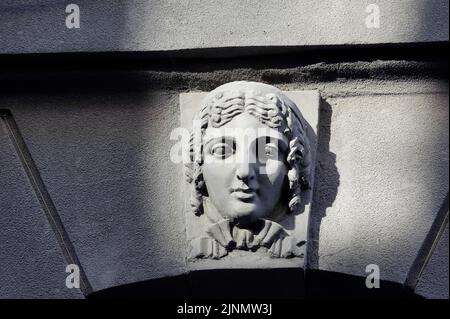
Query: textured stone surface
{"type": "Point", "coordinates": [144, 25]}
{"type": "Point", "coordinates": [105, 162]}
{"type": "Point", "coordinates": [390, 178]}
{"type": "Point", "coordinates": [88, 143]}
{"type": "Point", "coordinates": [434, 280]}
{"type": "Point", "coordinates": [31, 262]}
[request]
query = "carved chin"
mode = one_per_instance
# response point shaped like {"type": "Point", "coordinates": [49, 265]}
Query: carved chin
{"type": "Point", "coordinates": [244, 212]}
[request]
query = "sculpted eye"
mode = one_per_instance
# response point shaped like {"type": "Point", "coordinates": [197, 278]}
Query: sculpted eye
{"type": "Point", "coordinates": [222, 150]}
{"type": "Point", "coordinates": [271, 150]}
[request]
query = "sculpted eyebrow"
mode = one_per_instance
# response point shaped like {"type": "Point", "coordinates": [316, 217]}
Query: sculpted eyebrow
{"type": "Point", "coordinates": [218, 139]}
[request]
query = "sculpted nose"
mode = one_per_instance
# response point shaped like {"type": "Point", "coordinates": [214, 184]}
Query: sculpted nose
{"type": "Point", "coordinates": [245, 171]}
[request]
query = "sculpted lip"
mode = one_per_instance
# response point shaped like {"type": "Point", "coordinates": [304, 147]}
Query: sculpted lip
{"type": "Point", "coordinates": [243, 194]}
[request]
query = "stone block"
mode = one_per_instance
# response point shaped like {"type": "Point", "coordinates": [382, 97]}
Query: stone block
{"type": "Point", "coordinates": [161, 26]}
{"type": "Point", "coordinates": [31, 261]}
{"type": "Point", "coordinates": [105, 162]}
{"type": "Point", "coordinates": [389, 179]}
{"type": "Point", "coordinates": [308, 103]}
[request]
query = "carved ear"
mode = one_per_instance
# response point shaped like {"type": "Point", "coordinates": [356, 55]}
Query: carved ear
{"type": "Point", "coordinates": [305, 183]}
{"type": "Point", "coordinates": [188, 172]}
{"type": "Point", "coordinates": [196, 203]}
{"type": "Point", "coordinates": [198, 189]}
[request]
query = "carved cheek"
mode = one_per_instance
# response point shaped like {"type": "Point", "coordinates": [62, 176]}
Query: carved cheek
{"type": "Point", "coordinates": [275, 172]}
{"type": "Point", "coordinates": [272, 182]}
{"type": "Point", "coordinates": [218, 177]}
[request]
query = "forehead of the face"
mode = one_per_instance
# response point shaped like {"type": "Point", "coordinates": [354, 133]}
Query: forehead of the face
{"type": "Point", "coordinates": [245, 126]}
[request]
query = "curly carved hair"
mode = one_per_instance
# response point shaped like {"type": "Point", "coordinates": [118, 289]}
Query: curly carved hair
{"type": "Point", "coordinates": [273, 109]}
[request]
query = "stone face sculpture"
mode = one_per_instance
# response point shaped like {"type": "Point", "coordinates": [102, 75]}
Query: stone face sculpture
{"type": "Point", "coordinates": [249, 162]}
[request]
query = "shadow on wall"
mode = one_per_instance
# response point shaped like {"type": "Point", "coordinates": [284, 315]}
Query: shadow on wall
{"type": "Point", "coordinates": [277, 284]}
{"type": "Point", "coordinates": [216, 283]}
{"type": "Point", "coordinates": [111, 26]}
{"type": "Point", "coordinates": [326, 183]}
{"type": "Point", "coordinates": [99, 142]}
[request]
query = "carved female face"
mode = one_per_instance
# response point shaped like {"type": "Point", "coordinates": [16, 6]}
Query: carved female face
{"type": "Point", "coordinates": [244, 168]}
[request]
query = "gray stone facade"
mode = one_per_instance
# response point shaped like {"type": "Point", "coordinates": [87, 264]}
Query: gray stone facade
{"type": "Point", "coordinates": [85, 169]}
